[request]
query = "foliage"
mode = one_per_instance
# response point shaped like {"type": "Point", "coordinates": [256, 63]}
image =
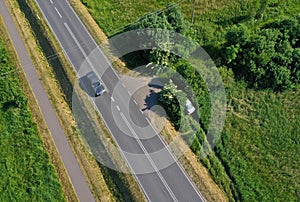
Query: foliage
{"type": "Point", "coordinates": [192, 76]}
{"type": "Point", "coordinates": [162, 39]}
{"type": "Point", "coordinates": [257, 157]}
{"type": "Point", "coordinates": [266, 58]}
{"type": "Point", "coordinates": [26, 173]}
{"type": "Point", "coordinates": [212, 28]}
{"type": "Point", "coordinates": [171, 99]}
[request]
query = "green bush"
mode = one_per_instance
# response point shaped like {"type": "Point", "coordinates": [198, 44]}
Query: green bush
{"type": "Point", "coordinates": [266, 58]}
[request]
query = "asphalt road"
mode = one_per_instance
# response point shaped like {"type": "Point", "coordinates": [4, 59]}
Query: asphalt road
{"type": "Point", "coordinates": [70, 162]}
{"type": "Point", "coordinates": [156, 169]}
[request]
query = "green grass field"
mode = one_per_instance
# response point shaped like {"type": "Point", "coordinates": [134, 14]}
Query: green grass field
{"type": "Point", "coordinates": [25, 170]}
{"type": "Point", "coordinates": [112, 16]}
{"type": "Point", "coordinates": [260, 146]}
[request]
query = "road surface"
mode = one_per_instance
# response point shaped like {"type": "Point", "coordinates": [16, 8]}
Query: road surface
{"type": "Point", "coordinates": [137, 141]}
{"type": "Point", "coordinates": [77, 178]}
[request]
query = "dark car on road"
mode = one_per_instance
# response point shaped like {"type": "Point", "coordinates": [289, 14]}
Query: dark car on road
{"type": "Point", "coordinates": [94, 82]}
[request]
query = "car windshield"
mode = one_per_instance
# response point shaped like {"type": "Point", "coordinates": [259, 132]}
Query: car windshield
{"type": "Point", "coordinates": [189, 107]}
{"type": "Point", "coordinates": [96, 84]}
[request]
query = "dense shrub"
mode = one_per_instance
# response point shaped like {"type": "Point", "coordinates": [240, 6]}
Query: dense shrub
{"type": "Point", "coordinates": [267, 57]}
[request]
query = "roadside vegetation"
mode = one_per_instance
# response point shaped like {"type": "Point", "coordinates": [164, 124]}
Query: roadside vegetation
{"type": "Point", "coordinates": [255, 45]}
{"type": "Point", "coordinates": [26, 171]}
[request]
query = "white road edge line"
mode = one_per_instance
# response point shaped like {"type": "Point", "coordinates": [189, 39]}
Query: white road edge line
{"type": "Point", "coordinates": [112, 99]}
{"type": "Point", "coordinates": [108, 62]}
{"type": "Point", "coordinates": [179, 165]}
{"type": "Point", "coordinates": [118, 108]}
{"type": "Point", "coordinates": [51, 1]}
{"type": "Point", "coordinates": [120, 150]}
{"type": "Point", "coordinates": [58, 12]}
{"type": "Point", "coordinates": [81, 49]}
{"type": "Point", "coordinates": [149, 158]}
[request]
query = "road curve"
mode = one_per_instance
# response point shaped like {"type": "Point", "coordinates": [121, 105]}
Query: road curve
{"type": "Point", "coordinates": [122, 119]}
{"type": "Point", "coordinates": [70, 162]}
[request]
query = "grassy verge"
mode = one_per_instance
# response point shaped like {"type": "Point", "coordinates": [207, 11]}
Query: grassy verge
{"type": "Point", "coordinates": [26, 172]}
{"type": "Point", "coordinates": [48, 74]}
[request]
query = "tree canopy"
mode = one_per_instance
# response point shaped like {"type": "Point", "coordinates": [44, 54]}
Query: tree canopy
{"type": "Point", "coordinates": [267, 57]}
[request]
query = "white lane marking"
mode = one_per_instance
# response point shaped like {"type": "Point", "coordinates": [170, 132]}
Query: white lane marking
{"type": "Point", "coordinates": [123, 85]}
{"type": "Point", "coordinates": [148, 120]}
{"type": "Point", "coordinates": [122, 152]}
{"type": "Point", "coordinates": [58, 12]}
{"type": "Point", "coordinates": [129, 93]}
{"type": "Point", "coordinates": [149, 158]}
{"type": "Point", "coordinates": [112, 99]}
{"type": "Point", "coordinates": [81, 49]}
{"type": "Point", "coordinates": [51, 1]}
{"type": "Point", "coordinates": [141, 111]}
{"type": "Point", "coordinates": [135, 102]}
{"type": "Point", "coordinates": [118, 108]}
{"type": "Point", "coordinates": [88, 33]}
{"type": "Point", "coordinates": [179, 165]}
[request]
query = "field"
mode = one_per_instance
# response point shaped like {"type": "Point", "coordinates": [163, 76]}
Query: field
{"type": "Point", "coordinates": [260, 145]}
{"type": "Point", "coordinates": [259, 148]}
{"type": "Point", "coordinates": [26, 172]}
{"type": "Point", "coordinates": [112, 16]}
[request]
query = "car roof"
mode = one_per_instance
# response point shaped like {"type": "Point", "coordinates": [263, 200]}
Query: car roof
{"type": "Point", "coordinates": [188, 102]}
{"type": "Point", "coordinates": [92, 77]}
